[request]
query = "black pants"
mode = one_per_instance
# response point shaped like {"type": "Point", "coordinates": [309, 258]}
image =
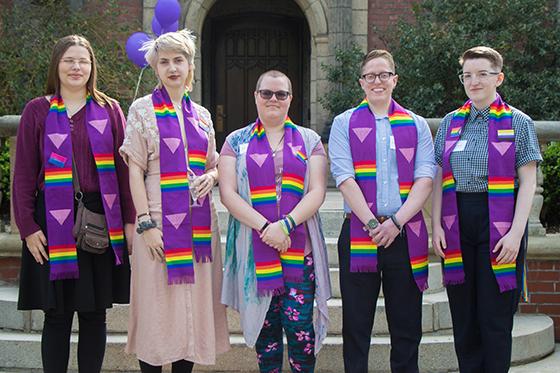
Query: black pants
{"type": "Point", "coordinates": [403, 306]}
{"type": "Point", "coordinates": [55, 343]}
{"type": "Point", "coordinates": [482, 316]}
{"type": "Point", "coordinates": [181, 366]}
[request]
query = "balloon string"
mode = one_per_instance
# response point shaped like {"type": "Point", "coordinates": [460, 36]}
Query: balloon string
{"type": "Point", "coordinates": [138, 83]}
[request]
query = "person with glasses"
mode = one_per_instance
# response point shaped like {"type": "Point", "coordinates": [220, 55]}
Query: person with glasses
{"type": "Point", "coordinates": [487, 152]}
{"type": "Point", "coordinates": [67, 150]}
{"type": "Point", "coordinates": [175, 314]}
{"type": "Point", "coordinates": [382, 160]}
{"type": "Point", "coordinates": [273, 181]}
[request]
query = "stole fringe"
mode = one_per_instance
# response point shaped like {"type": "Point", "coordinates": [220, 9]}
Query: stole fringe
{"type": "Point", "coordinates": [205, 258]}
{"type": "Point", "coordinates": [362, 268]}
{"type": "Point", "coordinates": [183, 279]}
{"type": "Point", "coordinates": [271, 292]}
{"type": "Point", "coordinates": [66, 275]}
{"type": "Point", "coordinates": [293, 278]}
{"type": "Point", "coordinates": [453, 282]}
{"type": "Point", "coordinates": [507, 287]}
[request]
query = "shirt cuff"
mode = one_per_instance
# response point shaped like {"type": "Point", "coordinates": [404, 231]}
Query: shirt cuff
{"type": "Point", "coordinates": [342, 178]}
{"type": "Point", "coordinates": [27, 229]}
{"type": "Point", "coordinates": [425, 171]}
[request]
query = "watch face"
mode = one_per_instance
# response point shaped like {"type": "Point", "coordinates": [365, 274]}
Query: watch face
{"type": "Point", "coordinates": [372, 224]}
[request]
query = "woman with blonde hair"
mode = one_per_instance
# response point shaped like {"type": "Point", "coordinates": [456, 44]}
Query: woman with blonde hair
{"type": "Point", "coordinates": [175, 312]}
{"type": "Point", "coordinates": [67, 171]}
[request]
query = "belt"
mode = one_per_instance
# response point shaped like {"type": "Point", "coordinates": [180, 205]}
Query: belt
{"type": "Point", "coordinates": [380, 218]}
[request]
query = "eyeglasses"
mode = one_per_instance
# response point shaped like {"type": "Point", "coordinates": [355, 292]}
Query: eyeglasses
{"type": "Point", "coordinates": [482, 76]}
{"type": "Point", "coordinates": [73, 61]}
{"type": "Point", "coordinates": [383, 77]}
{"type": "Point", "coordinates": [266, 94]}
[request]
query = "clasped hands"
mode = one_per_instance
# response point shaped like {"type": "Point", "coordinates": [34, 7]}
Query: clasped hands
{"type": "Point", "coordinates": [274, 236]}
{"type": "Point", "coordinates": [384, 234]}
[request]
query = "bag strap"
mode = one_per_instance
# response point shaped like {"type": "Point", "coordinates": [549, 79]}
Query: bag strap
{"type": "Point", "coordinates": [76, 180]}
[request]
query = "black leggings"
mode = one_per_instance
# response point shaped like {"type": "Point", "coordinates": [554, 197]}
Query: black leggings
{"type": "Point", "coordinates": [181, 366]}
{"type": "Point", "coordinates": [55, 343]}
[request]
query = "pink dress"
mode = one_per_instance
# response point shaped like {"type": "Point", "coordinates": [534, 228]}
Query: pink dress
{"type": "Point", "coordinates": [171, 322]}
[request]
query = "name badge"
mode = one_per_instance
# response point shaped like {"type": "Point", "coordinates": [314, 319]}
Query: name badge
{"type": "Point", "coordinates": [243, 148]}
{"type": "Point", "coordinates": [392, 142]}
{"type": "Point", "coordinates": [461, 144]}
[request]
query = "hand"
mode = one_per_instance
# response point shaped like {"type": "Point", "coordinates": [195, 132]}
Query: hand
{"type": "Point", "coordinates": [154, 241]}
{"type": "Point", "coordinates": [36, 243]}
{"type": "Point", "coordinates": [508, 246]}
{"type": "Point", "coordinates": [384, 234]}
{"type": "Point", "coordinates": [129, 230]}
{"type": "Point", "coordinates": [274, 236]}
{"type": "Point", "coordinates": [203, 184]}
{"type": "Point", "coordinates": [438, 240]}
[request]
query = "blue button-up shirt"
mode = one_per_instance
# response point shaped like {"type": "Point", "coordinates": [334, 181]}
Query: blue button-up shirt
{"type": "Point", "coordinates": [342, 167]}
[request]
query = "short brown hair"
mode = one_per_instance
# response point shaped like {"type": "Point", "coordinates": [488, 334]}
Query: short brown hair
{"type": "Point", "coordinates": [53, 80]}
{"type": "Point", "coordinates": [274, 74]}
{"type": "Point", "coordinates": [487, 53]}
{"type": "Point", "coordinates": [378, 53]}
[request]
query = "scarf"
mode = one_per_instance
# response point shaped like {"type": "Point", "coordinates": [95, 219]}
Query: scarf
{"type": "Point", "coordinates": [363, 252]}
{"type": "Point", "coordinates": [501, 173]}
{"type": "Point", "coordinates": [180, 234]}
{"type": "Point", "coordinates": [271, 268]}
{"type": "Point", "coordinates": [59, 192]}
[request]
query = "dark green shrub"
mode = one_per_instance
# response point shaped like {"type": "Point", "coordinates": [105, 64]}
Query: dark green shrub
{"type": "Point", "coordinates": [551, 185]}
{"type": "Point", "coordinates": [525, 32]}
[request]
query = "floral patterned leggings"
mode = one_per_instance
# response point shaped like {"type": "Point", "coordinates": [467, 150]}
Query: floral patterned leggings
{"type": "Point", "coordinates": [292, 311]}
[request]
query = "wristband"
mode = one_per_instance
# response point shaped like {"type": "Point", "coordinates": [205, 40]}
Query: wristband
{"type": "Point", "coordinates": [396, 222]}
{"type": "Point", "coordinates": [285, 226]}
{"type": "Point", "coordinates": [266, 224]}
{"type": "Point", "coordinates": [144, 214]}
{"type": "Point", "coordinates": [292, 221]}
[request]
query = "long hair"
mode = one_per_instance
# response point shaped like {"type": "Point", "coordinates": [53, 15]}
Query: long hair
{"type": "Point", "coordinates": [53, 80]}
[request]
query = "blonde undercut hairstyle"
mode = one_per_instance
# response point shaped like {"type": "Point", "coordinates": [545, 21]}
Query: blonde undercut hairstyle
{"type": "Point", "coordinates": [274, 74]}
{"type": "Point", "coordinates": [182, 42]}
{"type": "Point", "coordinates": [487, 53]}
{"type": "Point", "coordinates": [378, 53]}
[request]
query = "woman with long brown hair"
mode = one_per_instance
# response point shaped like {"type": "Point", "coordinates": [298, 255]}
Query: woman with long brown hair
{"type": "Point", "coordinates": [73, 207]}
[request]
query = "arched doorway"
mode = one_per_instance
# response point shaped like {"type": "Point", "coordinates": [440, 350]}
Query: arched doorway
{"type": "Point", "coordinates": [241, 40]}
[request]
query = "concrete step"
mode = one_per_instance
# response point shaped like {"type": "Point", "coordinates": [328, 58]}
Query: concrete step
{"type": "Point", "coordinates": [533, 338]}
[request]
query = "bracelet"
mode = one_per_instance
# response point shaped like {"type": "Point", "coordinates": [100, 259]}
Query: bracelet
{"type": "Point", "coordinates": [145, 225]}
{"type": "Point", "coordinates": [144, 214]}
{"type": "Point", "coordinates": [266, 224]}
{"type": "Point", "coordinates": [285, 226]}
{"type": "Point", "coordinates": [292, 221]}
{"type": "Point", "coordinates": [396, 222]}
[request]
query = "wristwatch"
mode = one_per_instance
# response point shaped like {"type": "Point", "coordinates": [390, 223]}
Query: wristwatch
{"type": "Point", "coordinates": [372, 223]}
{"type": "Point", "coordinates": [396, 222]}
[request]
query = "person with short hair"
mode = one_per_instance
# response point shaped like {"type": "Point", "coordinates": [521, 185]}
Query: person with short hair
{"type": "Point", "coordinates": [383, 163]}
{"type": "Point", "coordinates": [273, 181]}
{"type": "Point", "coordinates": [175, 312]}
{"type": "Point", "coordinates": [487, 152]}
{"type": "Point", "coordinates": [67, 162]}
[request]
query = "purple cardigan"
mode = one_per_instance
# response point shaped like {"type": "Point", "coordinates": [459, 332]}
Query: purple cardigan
{"type": "Point", "coordinates": [29, 171]}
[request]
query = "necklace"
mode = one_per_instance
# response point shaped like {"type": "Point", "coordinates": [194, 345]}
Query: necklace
{"type": "Point", "coordinates": [278, 145]}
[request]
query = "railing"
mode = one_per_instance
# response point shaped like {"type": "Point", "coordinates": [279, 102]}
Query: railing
{"type": "Point", "coordinates": [547, 131]}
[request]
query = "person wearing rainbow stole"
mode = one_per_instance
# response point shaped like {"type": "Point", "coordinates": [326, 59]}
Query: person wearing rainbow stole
{"type": "Point", "coordinates": [273, 181]}
{"type": "Point", "coordinates": [487, 153]}
{"type": "Point", "coordinates": [67, 139]}
{"type": "Point", "coordinates": [175, 314]}
{"type": "Point", "coordinates": [383, 163]}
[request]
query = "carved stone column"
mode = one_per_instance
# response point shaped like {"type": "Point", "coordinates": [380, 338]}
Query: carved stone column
{"type": "Point", "coordinates": [535, 226]}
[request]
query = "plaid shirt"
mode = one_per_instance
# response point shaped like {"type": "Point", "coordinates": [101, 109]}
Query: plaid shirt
{"type": "Point", "coordinates": [470, 166]}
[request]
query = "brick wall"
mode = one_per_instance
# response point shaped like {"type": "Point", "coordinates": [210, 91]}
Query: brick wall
{"type": "Point", "coordinates": [383, 13]}
{"type": "Point", "coordinates": [543, 279]}
{"type": "Point", "coordinates": [9, 269]}
{"type": "Point", "coordinates": [131, 10]}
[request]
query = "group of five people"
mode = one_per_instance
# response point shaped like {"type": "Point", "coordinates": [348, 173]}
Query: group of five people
{"type": "Point", "coordinates": [152, 181]}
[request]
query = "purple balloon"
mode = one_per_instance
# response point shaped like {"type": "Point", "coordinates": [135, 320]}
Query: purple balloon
{"type": "Point", "coordinates": [158, 30]}
{"type": "Point", "coordinates": [167, 12]}
{"type": "Point", "coordinates": [133, 45]}
{"type": "Point", "coordinates": [156, 27]}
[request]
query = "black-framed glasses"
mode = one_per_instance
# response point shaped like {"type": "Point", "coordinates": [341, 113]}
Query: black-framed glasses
{"type": "Point", "coordinates": [383, 76]}
{"type": "Point", "coordinates": [481, 75]}
{"type": "Point", "coordinates": [266, 94]}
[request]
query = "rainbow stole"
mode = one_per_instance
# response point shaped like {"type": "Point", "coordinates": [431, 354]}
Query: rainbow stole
{"type": "Point", "coordinates": [59, 191]}
{"type": "Point", "coordinates": [272, 269]}
{"type": "Point", "coordinates": [181, 239]}
{"type": "Point", "coordinates": [501, 173]}
{"type": "Point", "coordinates": [362, 130]}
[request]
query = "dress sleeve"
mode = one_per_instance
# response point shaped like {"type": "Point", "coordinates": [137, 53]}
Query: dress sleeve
{"type": "Point", "coordinates": [26, 170]}
{"type": "Point", "coordinates": [127, 206]}
{"type": "Point", "coordinates": [135, 144]}
{"type": "Point", "coordinates": [212, 155]}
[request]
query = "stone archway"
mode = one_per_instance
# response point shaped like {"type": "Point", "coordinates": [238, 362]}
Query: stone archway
{"type": "Point", "coordinates": [315, 11]}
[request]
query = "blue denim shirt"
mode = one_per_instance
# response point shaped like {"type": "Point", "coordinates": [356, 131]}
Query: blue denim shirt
{"type": "Point", "coordinates": [342, 168]}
